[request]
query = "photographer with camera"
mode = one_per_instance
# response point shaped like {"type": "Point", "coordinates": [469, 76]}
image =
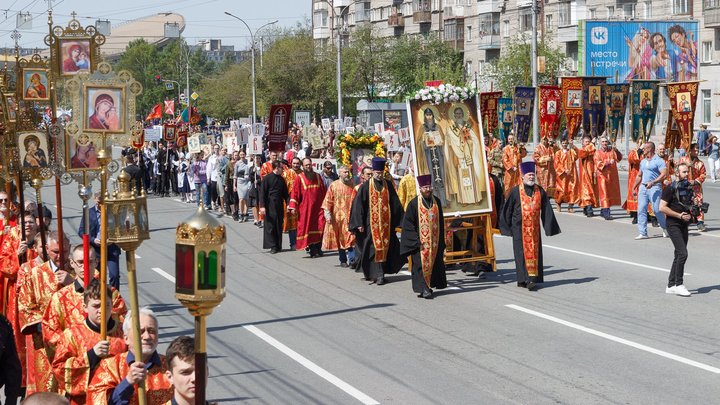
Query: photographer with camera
{"type": "Point", "coordinates": [676, 203]}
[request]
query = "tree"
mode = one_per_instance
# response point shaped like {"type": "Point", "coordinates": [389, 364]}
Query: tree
{"type": "Point", "coordinates": [413, 60]}
{"type": "Point", "coordinates": [141, 60]}
{"type": "Point", "coordinates": [228, 94]}
{"type": "Point", "coordinates": [363, 64]}
{"type": "Point", "coordinates": [513, 67]}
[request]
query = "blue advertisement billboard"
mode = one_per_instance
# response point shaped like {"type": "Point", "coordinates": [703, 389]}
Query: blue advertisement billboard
{"type": "Point", "coordinates": [627, 50]}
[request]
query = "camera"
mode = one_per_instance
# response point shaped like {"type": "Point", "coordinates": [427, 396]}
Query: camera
{"type": "Point", "coordinates": [686, 197]}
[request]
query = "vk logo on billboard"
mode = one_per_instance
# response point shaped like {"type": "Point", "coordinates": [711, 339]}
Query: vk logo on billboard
{"type": "Point", "coordinates": [599, 35]}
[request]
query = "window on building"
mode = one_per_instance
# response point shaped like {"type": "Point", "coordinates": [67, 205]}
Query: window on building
{"type": "Point", "coordinates": [681, 6]}
{"type": "Point", "coordinates": [468, 33]}
{"type": "Point", "coordinates": [611, 11]}
{"type": "Point", "coordinates": [548, 21]}
{"type": "Point", "coordinates": [321, 18]}
{"type": "Point", "coordinates": [592, 13]}
{"type": "Point", "coordinates": [564, 15]}
{"type": "Point", "coordinates": [436, 5]}
{"type": "Point", "coordinates": [707, 106]}
{"type": "Point", "coordinates": [628, 10]}
{"type": "Point", "coordinates": [490, 24]}
{"type": "Point", "coordinates": [450, 30]}
{"type": "Point", "coordinates": [707, 51]}
{"type": "Point", "coordinates": [525, 16]}
{"type": "Point", "coordinates": [647, 11]}
{"type": "Point", "coordinates": [421, 5]}
{"type": "Point", "coordinates": [506, 28]}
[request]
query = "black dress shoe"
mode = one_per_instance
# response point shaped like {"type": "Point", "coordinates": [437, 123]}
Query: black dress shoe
{"type": "Point", "coordinates": [522, 285]}
{"type": "Point", "coordinates": [343, 265]}
{"type": "Point", "coordinates": [380, 281]}
{"type": "Point", "coordinates": [634, 221]}
{"type": "Point", "coordinates": [273, 251]}
{"type": "Point", "coordinates": [427, 294]}
{"type": "Point", "coordinates": [531, 285]}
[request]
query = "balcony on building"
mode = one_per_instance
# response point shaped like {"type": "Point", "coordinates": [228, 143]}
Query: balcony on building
{"type": "Point", "coordinates": [396, 20]}
{"type": "Point", "coordinates": [711, 13]}
{"type": "Point", "coordinates": [489, 42]}
{"type": "Point", "coordinates": [422, 13]}
{"type": "Point", "coordinates": [454, 33]}
{"type": "Point", "coordinates": [489, 30]}
{"type": "Point", "coordinates": [567, 30]}
{"type": "Point", "coordinates": [489, 6]}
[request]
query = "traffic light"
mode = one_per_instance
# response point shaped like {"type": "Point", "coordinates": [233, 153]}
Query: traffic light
{"type": "Point", "coordinates": [158, 79]}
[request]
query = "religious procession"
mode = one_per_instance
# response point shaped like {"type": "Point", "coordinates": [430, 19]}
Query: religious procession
{"type": "Point", "coordinates": [421, 193]}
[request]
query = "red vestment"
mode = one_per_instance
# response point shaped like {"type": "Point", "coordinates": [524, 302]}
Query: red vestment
{"type": "Point", "coordinates": [71, 364]}
{"type": "Point", "coordinates": [511, 159]}
{"type": "Point", "coordinates": [306, 198]}
{"type": "Point", "coordinates": [290, 222]}
{"type": "Point", "coordinates": [608, 182]}
{"type": "Point", "coordinates": [630, 204]}
{"type": "Point", "coordinates": [338, 200]}
{"type": "Point", "coordinates": [699, 173]}
{"type": "Point", "coordinates": [545, 167]}
{"type": "Point", "coordinates": [113, 370]}
{"type": "Point", "coordinates": [33, 298]}
{"type": "Point", "coordinates": [588, 189]}
{"type": "Point", "coordinates": [265, 169]}
{"type": "Point", "coordinates": [566, 184]}
{"type": "Point", "coordinates": [66, 309]}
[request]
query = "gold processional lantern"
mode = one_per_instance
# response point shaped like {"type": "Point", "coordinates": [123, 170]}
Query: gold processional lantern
{"type": "Point", "coordinates": [127, 217]}
{"type": "Point", "coordinates": [200, 279]}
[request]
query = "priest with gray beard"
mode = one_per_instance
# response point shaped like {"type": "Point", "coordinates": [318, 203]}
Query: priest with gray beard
{"type": "Point", "coordinates": [526, 205]}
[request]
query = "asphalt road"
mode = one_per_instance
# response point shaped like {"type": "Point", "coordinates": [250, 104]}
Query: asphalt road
{"type": "Point", "coordinates": [294, 330]}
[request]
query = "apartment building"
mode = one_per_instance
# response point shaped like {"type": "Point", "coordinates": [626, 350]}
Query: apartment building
{"type": "Point", "coordinates": [480, 28]}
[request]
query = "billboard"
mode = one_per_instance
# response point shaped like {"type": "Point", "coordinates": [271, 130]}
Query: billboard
{"type": "Point", "coordinates": [640, 50]}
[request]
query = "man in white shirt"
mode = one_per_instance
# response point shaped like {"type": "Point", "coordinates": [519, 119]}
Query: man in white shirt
{"type": "Point", "coordinates": [212, 177]}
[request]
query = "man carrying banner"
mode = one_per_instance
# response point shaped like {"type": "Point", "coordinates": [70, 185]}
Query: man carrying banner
{"type": "Point", "coordinates": [423, 240]}
{"type": "Point", "coordinates": [544, 156]}
{"type": "Point", "coordinates": [587, 191]}
{"type": "Point", "coordinates": [566, 184]}
{"type": "Point", "coordinates": [608, 182]}
{"type": "Point", "coordinates": [526, 206]}
{"type": "Point", "coordinates": [306, 199]}
{"type": "Point", "coordinates": [336, 207]}
{"type": "Point", "coordinates": [511, 159]}
{"type": "Point", "coordinates": [376, 212]}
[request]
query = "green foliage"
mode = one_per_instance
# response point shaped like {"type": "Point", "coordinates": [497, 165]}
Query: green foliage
{"type": "Point", "coordinates": [228, 94]}
{"type": "Point", "coordinates": [513, 67]}
{"type": "Point", "coordinates": [363, 64]}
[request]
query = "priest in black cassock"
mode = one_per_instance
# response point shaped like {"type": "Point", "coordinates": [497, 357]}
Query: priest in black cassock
{"type": "Point", "coordinates": [520, 218]}
{"type": "Point", "coordinates": [423, 231]}
{"type": "Point", "coordinates": [376, 212]}
{"type": "Point", "coordinates": [272, 198]}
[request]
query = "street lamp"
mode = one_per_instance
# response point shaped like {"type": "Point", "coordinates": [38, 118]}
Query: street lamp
{"type": "Point", "coordinates": [127, 227]}
{"type": "Point", "coordinates": [200, 279]}
{"type": "Point", "coordinates": [252, 50]}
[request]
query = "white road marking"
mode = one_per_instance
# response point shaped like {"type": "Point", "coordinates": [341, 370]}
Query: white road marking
{"type": "Point", "coordinates": [297, 357]}
{"type": "Point", "coordinates": [161, 272]}
{"type": "Point", "coordinates": [645, 266]}
{"type": "Point", "coordinates": [349, 389]}
{"type": "Point", "coordinates": [405, 272]}
{"type": "Point", "coordinates": [618, 339]}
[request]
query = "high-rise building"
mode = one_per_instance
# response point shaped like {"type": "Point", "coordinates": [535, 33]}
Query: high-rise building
{"type": "Point", "coordinates": [481, 28]}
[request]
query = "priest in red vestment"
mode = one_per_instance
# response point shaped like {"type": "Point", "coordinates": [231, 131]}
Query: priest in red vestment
{"type": "Point", "coordinates": [116, 378]}
{"type": "Point", "coordinates": [267, 166]}
{"type": "Point", "coordinates": [336, 208]}
{"type": "Point", "coordinates": [290, 222]}
{"type": "Point", "coordinates": [33, 298]}
{"type": "Point", "coordinates": [544, 157]}
{"type": "Point", "coordinates": [566, 183]}
{"type": "Point", "coordinates": [79, 348]}
{"type": "Point", "coordinates": [423, 230]}
{"type": "Point", "coordinates": [608, 182]}
{"type": "Point", "coordinates": [631, 205]}
{"type": "Point", "coordinates": [306, 199]}
{"type": "Point", "coordinates": [525, 207]}
{"type": "Point", "coordinates": [588, 189]}
{"type": "Point", "coordinates": [511, 158]}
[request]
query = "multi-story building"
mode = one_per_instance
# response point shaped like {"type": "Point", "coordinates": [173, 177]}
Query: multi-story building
{"type": "Point", "coordinates": [480, 28]}
{"type": "Point", "coordinates": [214, 50]}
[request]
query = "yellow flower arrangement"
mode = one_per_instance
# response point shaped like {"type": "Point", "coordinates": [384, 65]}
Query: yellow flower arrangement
{"type": "Point", "coordinates": [358, 141]}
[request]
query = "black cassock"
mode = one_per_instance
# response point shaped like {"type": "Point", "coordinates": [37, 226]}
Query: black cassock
{"type": "Point", "coordinates": [410, 246]}
{"type": "Point", "coordinates": [360, 217]}
{"type": "Point", "coordinates": [273, 194]}
{"type": "Point", "coordinates": [511, 225]}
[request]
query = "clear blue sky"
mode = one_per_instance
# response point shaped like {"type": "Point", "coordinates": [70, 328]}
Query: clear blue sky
{"type": "Point", "coordinates": [204, 18]}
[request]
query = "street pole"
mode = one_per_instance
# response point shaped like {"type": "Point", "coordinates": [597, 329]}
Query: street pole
{"type": "Point", "coordinates": [533, 67]}
{"type": "Point", "coordinates": [339, 74]}
{"type": "Point", "coordinates": [252, 57]}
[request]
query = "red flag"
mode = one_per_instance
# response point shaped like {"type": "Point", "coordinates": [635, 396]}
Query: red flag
{"type": "Point", "coordinates": [155, 113]}
{"type": "Point", "coordinates": [170, 107]}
